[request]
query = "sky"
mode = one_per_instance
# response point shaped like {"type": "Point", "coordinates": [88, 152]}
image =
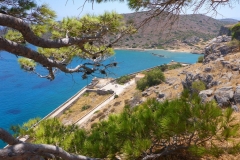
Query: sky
{"type": "Point", "coordinates": [71, 8]}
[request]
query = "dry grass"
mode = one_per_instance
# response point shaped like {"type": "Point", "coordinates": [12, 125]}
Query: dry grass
{"type": "Point", "coordinates": [75, 112]}
{"type": "Point", "coordinates": [110, 108]}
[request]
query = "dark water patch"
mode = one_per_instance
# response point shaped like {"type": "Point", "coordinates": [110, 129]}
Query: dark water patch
{"type": "Point", "coordinates": [46, 83]}
{"type": "Point", "coordinates": [18, 85]}
{"type": "Point", "coordinates": [42, 85]}
{"type": "Point", "coordinates": [6, 76]}
{"type": "Point", "coordinates": [13, 111]}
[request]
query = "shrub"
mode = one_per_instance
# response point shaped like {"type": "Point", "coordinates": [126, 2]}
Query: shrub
{"type": "Point", "coordinates": [123, 79]}
{"type": "Point", "coordinates": [198, 86]}
{"type": "Point", "coordinates": [200, 59]}
{"type": "Point", "coordinates": [85, 107]}
{"type": "Point", "coordinates": [86, 94]}
{"type": "Point", "coordinates": [151, 78]}
{"type": "Point", "coordinates": [174, 66]}
{"type": "Point", "coordinates": [115, 96]}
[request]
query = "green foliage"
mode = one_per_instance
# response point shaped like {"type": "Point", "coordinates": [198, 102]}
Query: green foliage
{"type": "Point", "coordinates": [236, 31]}
{"type": "Point", "coordinates": [85, 107]}
{"type": "Point", "coordinates": [26, 63]}
{"type": "Point", "coordinates": [86, 94]}
{"type": "Point", "coordinates": [198, 86]}
{"type": "Point", "coordinates": [163, 127]}
{"type": "Point", "coordinates": [14, 35]}
{"type": "Point", "coordinates": [43, 23]}
{"type": "Point", "coordinates": [151, 78]}
{"type": "Point", "coordinates": [26, 127]}
{"type": "Point", "coordinates": [200, 59]}
{"type": "Point", "coordinates": [174, 66]}
{"type": "Point", "coordinates": [116, 96]}
{"type": "Point", "coordinates": [234, 43]}
{"type": "Point", "coordinates": [123, 79]}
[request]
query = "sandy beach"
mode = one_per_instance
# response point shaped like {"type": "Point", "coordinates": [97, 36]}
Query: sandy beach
{"type": "Point", "coordinates": [186, 50]}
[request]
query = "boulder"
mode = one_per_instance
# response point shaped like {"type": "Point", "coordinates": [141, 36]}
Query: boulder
{"type": "Point", "coordinates": [147, 93]}
{"type": "Point", "coordinates": [224, 95]}
{"type": "Point", "coordinates": [161, 95]}
{"type": "Point", "coordinates": [221, 39]}
{"type": "Point", "coordinates": [217, 48]}
{"type": "Point", "coordinates": [187, 83]}
{"type": "Point", "coordinates": [208, 79]}
{"type": "Point", "coordinates": [235, 67]}
{"type": "Point", "coordinates": [170, 81]}
{"type": "Point", "coordinates": [237, 94]}
{"type": "Point", "coordinates": [205, 94]}
{"type": "Point", "coordinates": [190, 78]}
{"type": "Point", "coordinates": [213, 83]}
{"type": "Point", "coordinates": [207, 69]}
{"type": "Point", "coordinates": [235, 108]}
{"type": "Point", "coordinates": [191, 40]}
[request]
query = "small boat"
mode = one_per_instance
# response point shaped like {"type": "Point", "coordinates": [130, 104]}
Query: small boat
{"type": "Point", "coordinates": [158, 55]}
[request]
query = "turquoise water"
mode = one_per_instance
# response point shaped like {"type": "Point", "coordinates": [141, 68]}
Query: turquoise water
{"type": "Point", "coordinates": [24, 95]}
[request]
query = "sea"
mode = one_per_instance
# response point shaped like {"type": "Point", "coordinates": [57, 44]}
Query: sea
{"type": "Point", "coordinates": [24, 95]}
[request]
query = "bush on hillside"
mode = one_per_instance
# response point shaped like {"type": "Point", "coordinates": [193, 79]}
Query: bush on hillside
{"type": "Point", "coordinates": [85, 107]}
{"type": "Point", "coordinates": [174, 66]}
{"type": "Point", "coordinates": [198, 86]}
{"type": "Point", "coordinates": [153, 77]}
{"type": "Point", "coordinates": [200, 59]}
{"type": "Point", "coordinates": [123, 79]}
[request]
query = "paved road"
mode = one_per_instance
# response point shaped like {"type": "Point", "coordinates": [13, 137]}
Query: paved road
{"type": "Point", "coordinates": [65, 105]}
{"type": "Point", "coordinates": [118, 89]}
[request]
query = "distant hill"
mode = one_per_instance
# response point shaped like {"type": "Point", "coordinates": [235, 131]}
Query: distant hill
{"type": "Point", "coordinates": [229, 20]}
{"type": "Point", "coordinates": [187, 29]}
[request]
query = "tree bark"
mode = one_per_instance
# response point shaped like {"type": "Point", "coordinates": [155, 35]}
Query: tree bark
{"type": "Point", "coordinates": [30, 37]}
{"type": "Point", "coordinates": [20, 50]}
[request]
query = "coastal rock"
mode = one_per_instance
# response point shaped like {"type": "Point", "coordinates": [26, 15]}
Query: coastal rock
{"type": "Point", "coordinates": [224, 96]}
{"type": "Point", "coordinates": [221, 39]}
{"type": "Point", "coordinates": [217, 48]}
{"type": "Point", "coordinates": [237, 94]}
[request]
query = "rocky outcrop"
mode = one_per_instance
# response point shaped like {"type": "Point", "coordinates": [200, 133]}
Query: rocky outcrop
{"type": "Point", "coordinates": [237, 95]}
{"type": "Point", "coordinates": [191, 77]}
{"type": "Point", "coordinates": [217, 48]}
{"type": "Point", "coordinates": [224, 96]}
{"type": "Point", "coordinates": [191, 40]}
{"type": "Point", "coordinates": [224, 31]}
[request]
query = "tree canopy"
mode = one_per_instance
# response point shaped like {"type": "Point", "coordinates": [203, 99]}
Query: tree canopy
{"type": "Point", "coordinates": [58, 42]}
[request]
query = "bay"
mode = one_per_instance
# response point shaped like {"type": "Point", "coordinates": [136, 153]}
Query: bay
{"type": "Point", "coordinates": [24, 95]}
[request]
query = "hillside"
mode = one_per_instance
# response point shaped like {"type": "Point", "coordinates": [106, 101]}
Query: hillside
{"type": "Point", "coordinates": [159, 33]}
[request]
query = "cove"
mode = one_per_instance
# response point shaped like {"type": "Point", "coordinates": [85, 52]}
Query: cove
{"type": "Point", "coordinates": [24, 95]}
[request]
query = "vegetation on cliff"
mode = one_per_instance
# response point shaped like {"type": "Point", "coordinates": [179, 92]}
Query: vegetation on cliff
{"type": "Point", "coordinates": [174, 128]}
